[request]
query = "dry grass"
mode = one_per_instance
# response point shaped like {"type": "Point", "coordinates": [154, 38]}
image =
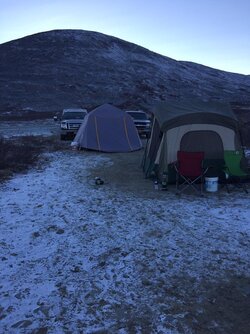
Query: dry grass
{"type": "Point", "coordinates": [20, 153]}
{"type": "Point", "coordinates": [28, 115]}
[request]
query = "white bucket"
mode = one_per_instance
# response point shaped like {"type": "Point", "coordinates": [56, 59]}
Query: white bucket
{"type": "Point", "coordinates": [211, 184]}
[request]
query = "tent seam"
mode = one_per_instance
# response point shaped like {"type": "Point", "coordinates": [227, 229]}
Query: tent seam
{"type": "Point", "coordinates": [126, 132]}
{"type": "Point", "coordinates": [97, 136]}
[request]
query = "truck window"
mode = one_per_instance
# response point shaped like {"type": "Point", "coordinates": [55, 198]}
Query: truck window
{"type": "Point", "coordinates": [73, 115]}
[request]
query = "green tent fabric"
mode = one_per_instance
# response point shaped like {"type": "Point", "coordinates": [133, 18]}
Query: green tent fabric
{"type": "Point", "coordinates": [192, 111]}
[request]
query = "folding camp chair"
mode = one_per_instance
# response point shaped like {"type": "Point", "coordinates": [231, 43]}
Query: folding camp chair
{"type": "Point", "coordinates": [234, 174]}
{"type": "Point", "coordinates": [189, 171]}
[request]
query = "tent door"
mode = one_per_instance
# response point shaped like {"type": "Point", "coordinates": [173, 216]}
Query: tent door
{"type": "Point", "coordinates": [206, 141]}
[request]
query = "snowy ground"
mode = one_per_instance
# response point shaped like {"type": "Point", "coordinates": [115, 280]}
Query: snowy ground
{"type": "Point", "coordinates": [121, 257]}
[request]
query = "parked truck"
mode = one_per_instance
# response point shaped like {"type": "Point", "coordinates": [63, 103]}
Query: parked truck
{"type": "Point", "coordinates": [141, 121]}
{"type": "Point", "coordinates": [71, 121]}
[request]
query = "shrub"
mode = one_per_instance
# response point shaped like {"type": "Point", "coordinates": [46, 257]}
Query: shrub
{"type": "Point", "coordinates": [16, 156]}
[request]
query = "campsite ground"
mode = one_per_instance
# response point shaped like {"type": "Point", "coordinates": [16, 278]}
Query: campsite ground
{"type": "Point", "coordinates": [120, 257]}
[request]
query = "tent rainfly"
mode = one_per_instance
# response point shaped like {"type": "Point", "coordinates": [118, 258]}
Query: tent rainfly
{"type": "Point", "coordinates": [108, 129]}
{"type": "Point", "coordinates": [190, 125]}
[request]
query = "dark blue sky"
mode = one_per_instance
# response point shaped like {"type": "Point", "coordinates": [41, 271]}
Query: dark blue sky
{"type": "Point", "coordinates": [210, 32]}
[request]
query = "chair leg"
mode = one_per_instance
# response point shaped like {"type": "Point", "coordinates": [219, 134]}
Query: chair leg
{"type": "Point", "coordinates": [187, 182]}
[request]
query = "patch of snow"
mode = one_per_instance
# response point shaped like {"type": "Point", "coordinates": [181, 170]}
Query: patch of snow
{"type": "Point", "coordinates": [116, 54]}
{"type": "Point", "coordinates": [78, 257]}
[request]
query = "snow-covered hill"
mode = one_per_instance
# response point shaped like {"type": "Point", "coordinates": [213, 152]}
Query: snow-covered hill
{"type": "Point", "coordinates": [56, 69]}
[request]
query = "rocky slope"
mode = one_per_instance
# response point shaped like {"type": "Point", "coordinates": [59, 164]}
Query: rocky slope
{"type": "Point", "coordinates": [72, 68]}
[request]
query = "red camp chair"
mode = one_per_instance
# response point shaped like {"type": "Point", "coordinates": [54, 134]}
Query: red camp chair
{"type": "Point", "coordinates": [189, 171]}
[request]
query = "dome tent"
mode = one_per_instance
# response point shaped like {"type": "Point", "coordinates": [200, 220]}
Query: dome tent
{"type": "Point", "coordinates": [108, 129]}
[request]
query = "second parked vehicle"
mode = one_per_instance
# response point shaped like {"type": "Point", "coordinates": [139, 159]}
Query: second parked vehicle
{"type": "Point", "coordinates": [141, 121]}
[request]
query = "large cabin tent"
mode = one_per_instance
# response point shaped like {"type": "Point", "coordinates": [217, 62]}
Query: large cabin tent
{"type": "Point", "coordinates": [189, 125]}
{"type": "Point", "coordinates": [108, 129]}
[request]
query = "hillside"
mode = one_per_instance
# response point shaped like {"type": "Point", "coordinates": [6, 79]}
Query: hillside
{"type": "Point", "coordinates": [65, 68]}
